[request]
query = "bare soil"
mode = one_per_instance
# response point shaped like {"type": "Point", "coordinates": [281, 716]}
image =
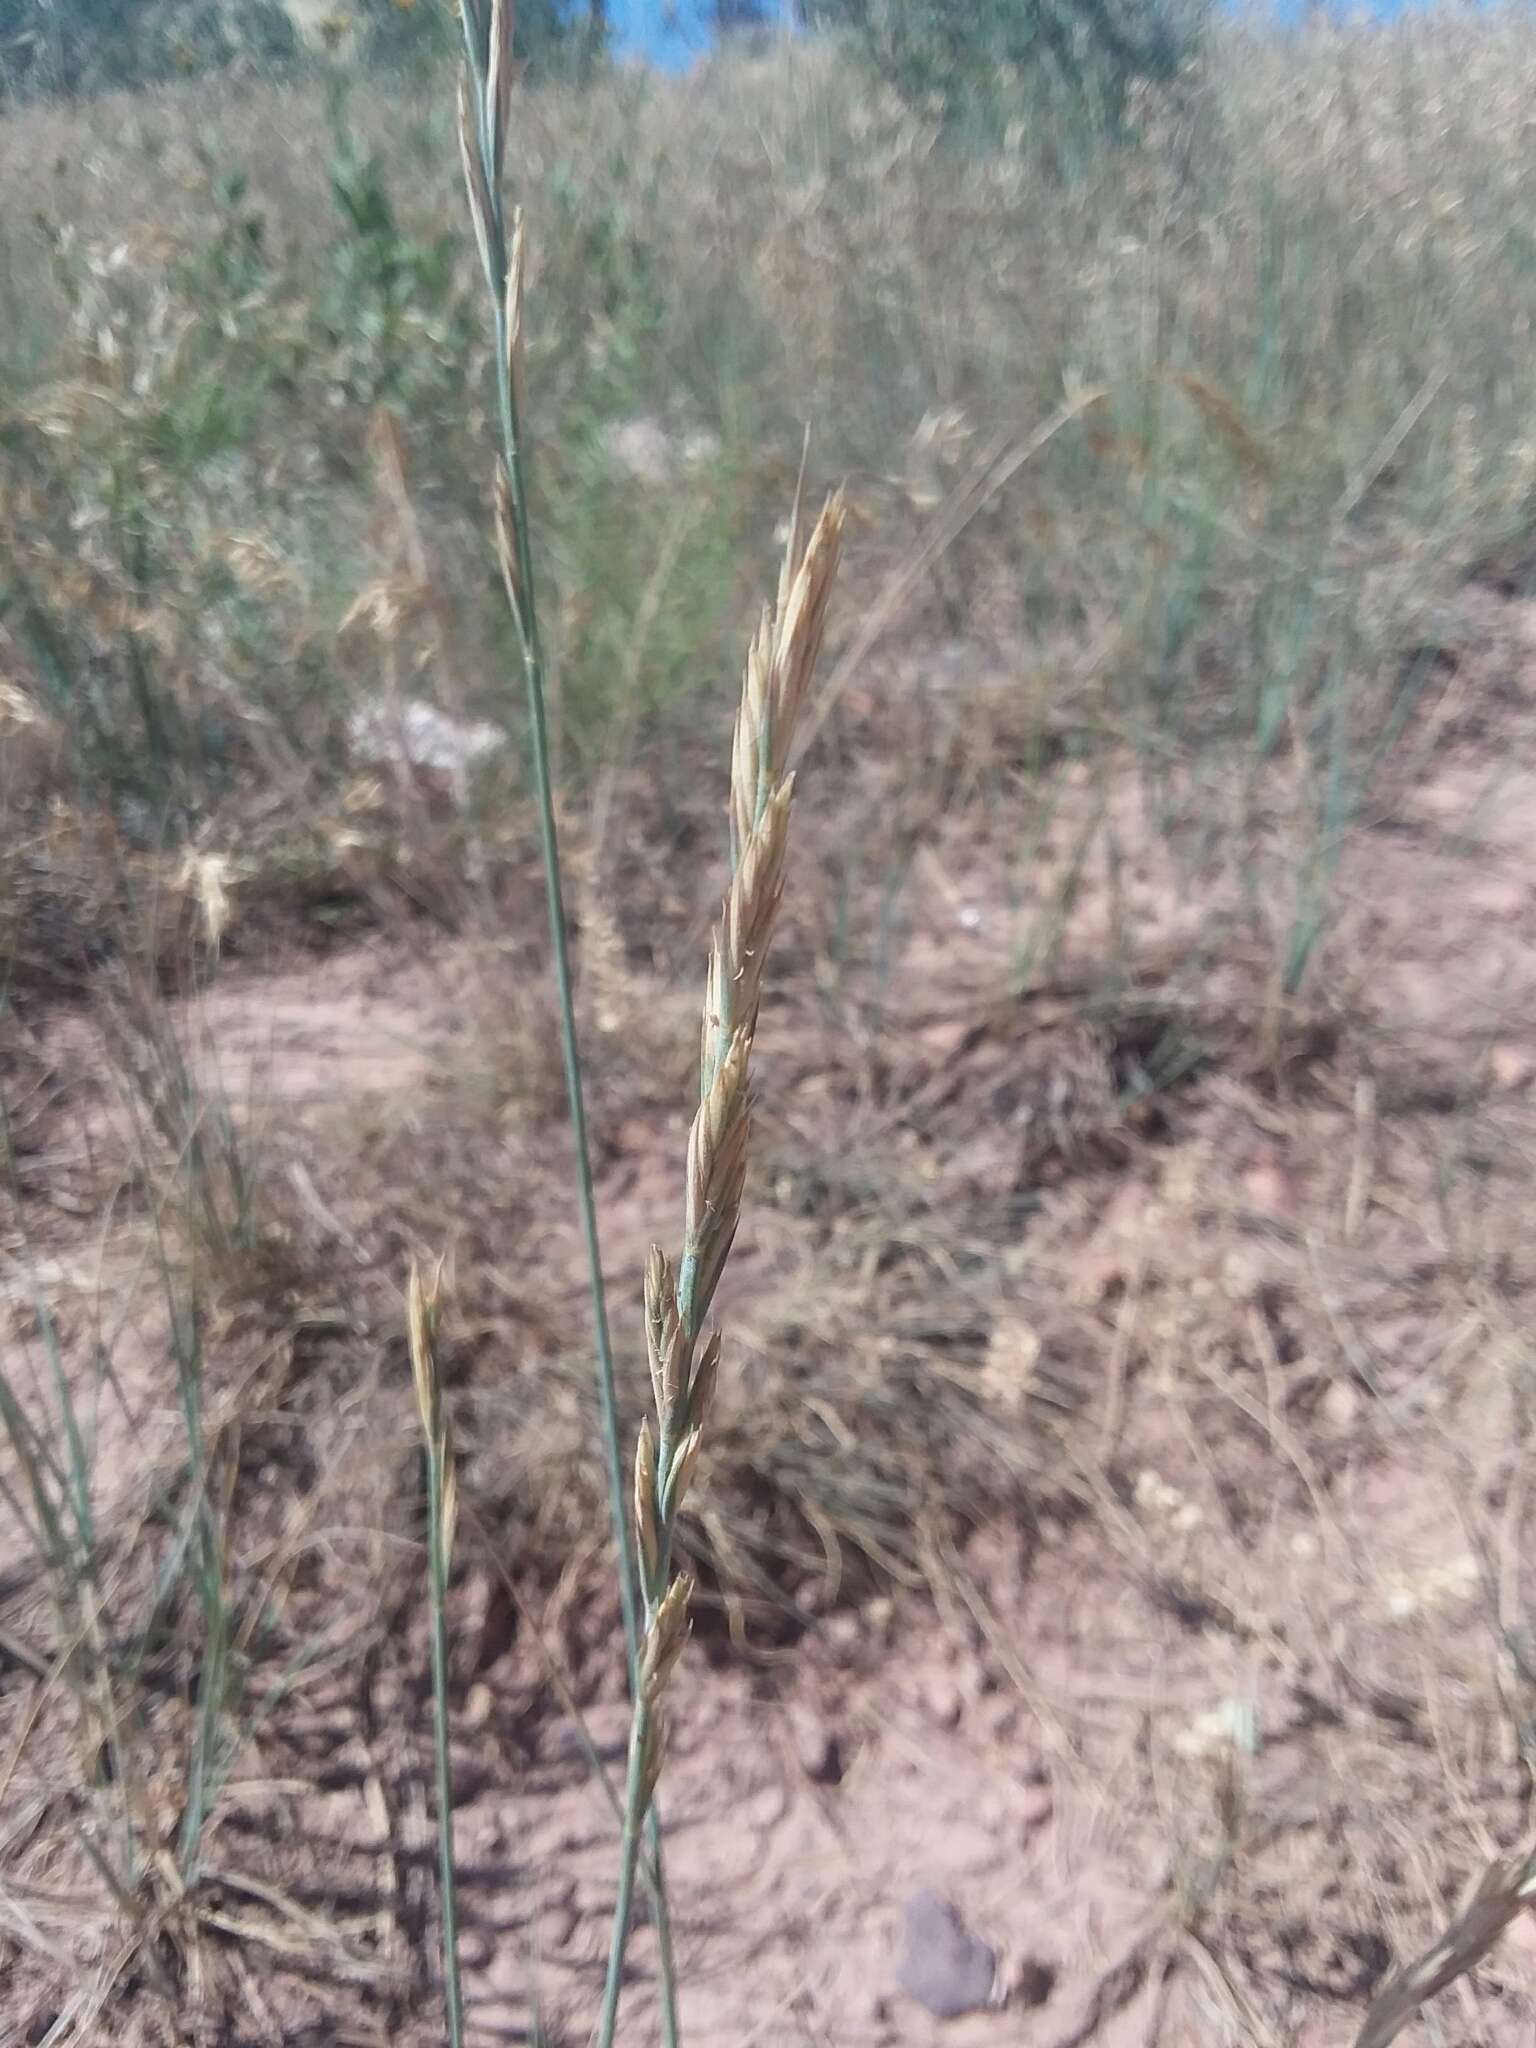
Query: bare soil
{"type": "Point", "coordinates": [1119, 1524]}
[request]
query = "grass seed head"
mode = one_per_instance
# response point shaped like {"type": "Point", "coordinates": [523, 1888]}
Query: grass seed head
{"type": "Point", "coordinates": [664, 1336]}
{"type": "Point", "coordinates": [741, 945]}
{"type": "Point", "coordinates": [749, 786]}
{"type": "Point", "coordinates": [800, 626]}
{"type": "Point", "coordinates": [421, 1309]}
{"type": "Point", "coordinates": [647, 1533]}
{"type": "Point", "coordinates": [666, 1637]}
{"type": "Point", "coordinates": [717, 1173]}
{"type": "Point", "coordinates": [701, 1390]}
{"type": "Point", "coordinates": [680, 1475]}
{"type": "Point", "coordinates": [654, 1741]}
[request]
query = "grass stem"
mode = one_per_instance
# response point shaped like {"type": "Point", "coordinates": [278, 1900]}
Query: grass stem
{"type": "Point", "coordinates": [453, 1989]}
{"type": "Point", "coordinates": [441, 1517]}
{"type": "Point", "coordinates": [488, 54]}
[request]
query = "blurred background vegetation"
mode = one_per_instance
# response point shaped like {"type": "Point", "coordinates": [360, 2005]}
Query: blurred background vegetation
{"type": "Point", "coordinates": [942, 46]}
{"type": "Point", "coordinates": [1293, 268]}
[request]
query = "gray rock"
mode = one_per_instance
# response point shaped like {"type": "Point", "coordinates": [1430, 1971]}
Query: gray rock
{"type": "Point", "coordinates": [940, 1962]}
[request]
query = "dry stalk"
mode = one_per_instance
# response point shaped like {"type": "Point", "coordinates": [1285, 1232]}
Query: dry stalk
{"type": "Point", "coordinates": [442, 1512]}
{"type": "Point", "coordinates": [684, 1361]}
{"type": "Point", "coordinates": [1506, 1889]}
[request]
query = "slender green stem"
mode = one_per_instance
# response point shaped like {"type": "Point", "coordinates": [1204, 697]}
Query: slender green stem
{"type": "Point", "coordinates": [666, 1955]}
{"type": "Point", "coordinates": [618, 1506]}
{"type": "Point", "coordinates": [639, 1736]}
{"type": "Point", "coordinates": [525, 614]}
{"type": "Point", "coordinates": [453, 1990]}
{"type": "Point", "coordinates": [639, 1739]}
{"type": "Point", "coordinates": [526, 618]}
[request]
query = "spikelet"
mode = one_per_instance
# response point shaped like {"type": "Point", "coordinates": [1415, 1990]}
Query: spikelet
{"type": "Point", "coordinates": [663, 1338]}
{"type": "Point", "coordinates": [422, 1299]}
{"type": "Point", "coordinates": [647, 1519]}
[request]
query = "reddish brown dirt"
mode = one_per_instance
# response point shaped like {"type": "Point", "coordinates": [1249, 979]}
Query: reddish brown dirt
{"type": "Point", "coordinates": [1204, 1680]}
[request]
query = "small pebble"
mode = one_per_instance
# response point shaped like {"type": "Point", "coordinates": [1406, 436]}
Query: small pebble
{"type": "Point", "coordinates": [941, 1963]}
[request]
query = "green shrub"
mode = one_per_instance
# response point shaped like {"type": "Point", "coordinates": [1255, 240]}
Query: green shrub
{"type": "Point", "coordinates": [82, 45]}
{"type": "Point", "coordinates": [967, 54]}
{"type": "Point", "coordinates": [405, 32]}
{"type": "Point", "coordinates": [69, 46]}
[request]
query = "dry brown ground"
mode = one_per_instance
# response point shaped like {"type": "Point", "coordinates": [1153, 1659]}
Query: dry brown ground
{"type": "Point", "coordinates": [1120, 1518]}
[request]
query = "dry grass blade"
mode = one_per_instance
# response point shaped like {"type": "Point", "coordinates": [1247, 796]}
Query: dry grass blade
{"type": "Point", "coordinates": [422, 1303]}
{"type": "Point", "coordinates": [1505, 1891]}
{"type": "Point", "coordinates": [994, 468]}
